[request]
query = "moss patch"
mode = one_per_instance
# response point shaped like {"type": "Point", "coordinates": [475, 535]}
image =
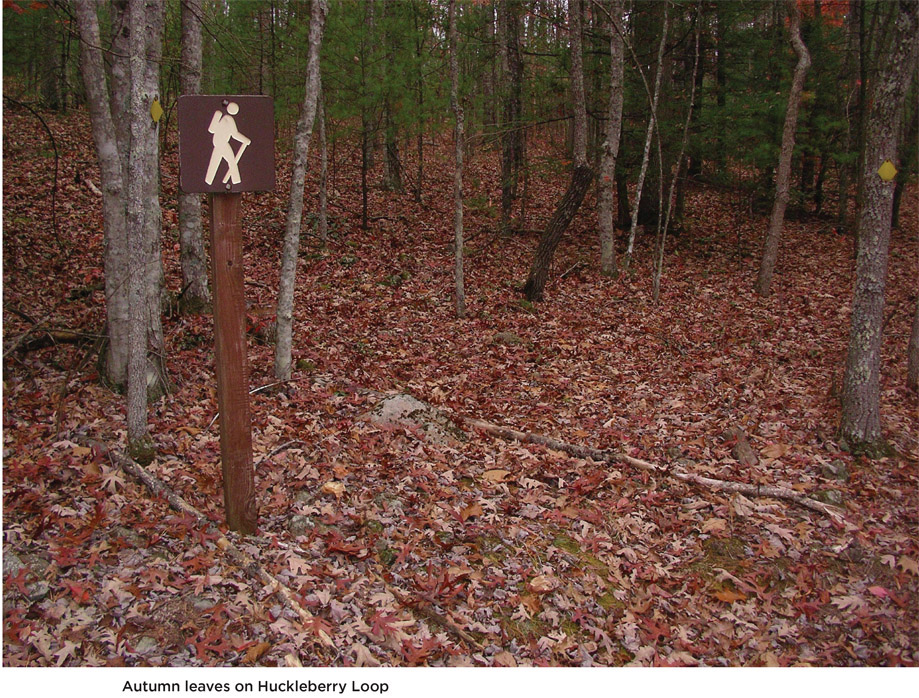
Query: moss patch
{"type": "Point", "coordinates": [720, 553]}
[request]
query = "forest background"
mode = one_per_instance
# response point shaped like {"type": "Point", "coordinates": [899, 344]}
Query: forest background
{"type": "Point", "coordinates": [638, 256]}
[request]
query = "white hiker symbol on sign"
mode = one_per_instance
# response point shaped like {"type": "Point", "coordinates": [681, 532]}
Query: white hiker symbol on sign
{"type": "Point", "coordinates": [223, 126]}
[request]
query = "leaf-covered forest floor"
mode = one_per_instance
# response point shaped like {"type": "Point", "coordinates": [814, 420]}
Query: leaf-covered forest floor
{"type": "Point", "coordinates": [483, 552]}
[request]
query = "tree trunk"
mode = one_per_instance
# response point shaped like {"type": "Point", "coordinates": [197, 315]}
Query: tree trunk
{"type": "Point", "coordinates": [392, 167]}
{"type": "Point", "coordinates": [578, 99]}
{"type": "Point", "coordinates": [581, 177]}
{"type": "Point", "coordinates": [652, 125]}
{"type": "Point", "coordinates": [561, 219]}
{"type": "Point", "coordinates": [127, 147]}
{"type": "Point", "coordinates": [659, 264]}
{"type": "Point", "coordinates": [195, 296]}
{"type": "Point", "coordinates": [289, 255]}
{"type": "Point", "coordinates": [783, 176]}
{"type": "Point", "coordinates": [720, 86]}
{"type": "Point", "coordinates": [860, 426]}
{"type": "Point", "coordinates": [145, 22]}
{"type": "Point", "coordinates": [108, 152]}
{"type": "Point", "coordinates": [458, 171]}
{"type": "Point", "coordinates": [912, 354]}
{"type": "Point", "coordinates": [323, 172]}
{"type": "Point", "coordinates": [511, 78]}
{"type": "Point", "coordinates": [610, 147]}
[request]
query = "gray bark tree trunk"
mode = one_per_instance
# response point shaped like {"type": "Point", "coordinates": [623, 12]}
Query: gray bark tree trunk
{"type": "Point", "coordinates": [195, 295]}
{"type": "Point", "coordinates": [323, 173]}
{"type": "Point", "coordinates": [659, 263]}
{"type": "Point", "coordinates": [289, 254]}
{"type": "Point", "coordinates": [508, 31]}
{"type": "Point", "coordinates": [652, 125]}
{"type": "Point", "coordinates": [126, 141]}
{"type": "Point", "coordinates": [458, 170]}
{"type": "Point", "coordinates": [860, 424]}
{"type": "Point", "coordinates": [783, 175]}
{"type": "Point", "coordinates": [112, 177]}
{"type": "Point", "coordinates": [578, 99]}
{"type": "Point", "coordinates": [610, 147]}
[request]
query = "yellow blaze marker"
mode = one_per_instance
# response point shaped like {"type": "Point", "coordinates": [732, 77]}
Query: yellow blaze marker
{"type": "Point", "coordinates": [887, 171]}
{"type": "Point", "coordinates": [156, 111]}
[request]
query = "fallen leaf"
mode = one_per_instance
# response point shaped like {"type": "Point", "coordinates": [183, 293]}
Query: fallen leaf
{"type": "Point", "coordinates": [474, 509]}
{"type": "Point", "coordinates": [496, 475]}
{"type": "Point", "coordinates": [849, 602]}
{"type": "Point", "coordinates": [714, 525]}
{"type": "Point", "coordinates": [543, 584]}
{"type": "Point", "coordinates": [254, 653]}
{"type": "Point", "coordinates": [907, 564]}
{"type": "Point", "coordinates": [363, 656]}
{"type": "Point", "coordinates": [775, 450]}
{"type": "Point", "coordinates": [730, 596]}
{"type": "Point", "coordinates": [334, 487]}
{"type": "Point", "coordinates": [505, 658]}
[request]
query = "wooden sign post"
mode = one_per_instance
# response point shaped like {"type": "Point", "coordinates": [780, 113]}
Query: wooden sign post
{"type": "Point", "coordinates": [239, 126]}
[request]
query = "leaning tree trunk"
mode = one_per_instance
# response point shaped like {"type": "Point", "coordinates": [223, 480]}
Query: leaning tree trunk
{"type": "Point", "coordinates": [783, 176]}
{"type": "Point", "coordinates": [610, 145]}
{"type": "Point", "coordinates": [195, 295]}
{"type": "Point", "coordinates": [580, 179]}
{"type": "Point", "coordinates": [289, 254]}
{"type": "Point", "coordinates": [558, 224]}
{"type": "Point", "coordinates": [860, 425]}
{"type": "Point", "coordinates": [458, 171]}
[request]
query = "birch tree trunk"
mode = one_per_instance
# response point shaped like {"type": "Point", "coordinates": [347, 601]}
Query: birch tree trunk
{"type": "Point", "coordinates": [289, 253]}
{"type": "Point", "coordinates": [662, 242]}
{"type": "Point", "coordinates": [652, 125]}
{"type": "Point", "coordinates": [458, 171]}
{"type": "Point", "coordinates": [783, 175]}
{"type": "Point", "coordinates": [860, 424]}
{"type": "Point", "coordinates": [195, 296]}
{"type": "Point", "coordinates": [610, 147]}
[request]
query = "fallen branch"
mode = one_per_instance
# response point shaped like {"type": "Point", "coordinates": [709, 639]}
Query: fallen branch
{"type": "Point", "coordinates": [240, 558]}
{"type": "Point", "coordinates": [434, 616]}
{"type": "Point", "coordinates": [611, 456]}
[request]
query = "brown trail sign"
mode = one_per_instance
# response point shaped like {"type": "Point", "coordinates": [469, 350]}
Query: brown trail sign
{"type": "Point", "coordinates": [226, 146]}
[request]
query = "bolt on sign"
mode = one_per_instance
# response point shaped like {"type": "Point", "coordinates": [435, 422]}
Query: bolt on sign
{"type": "Point", "coordinates": [226, 144]}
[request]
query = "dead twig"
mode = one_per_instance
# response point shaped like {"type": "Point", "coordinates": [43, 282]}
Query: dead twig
{"type": "Point", "coordinates": [239, 557]}
{"type": "Point", "coordinates": [611, 456]}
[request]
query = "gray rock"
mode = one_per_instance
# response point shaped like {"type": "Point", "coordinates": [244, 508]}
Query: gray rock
{"type": "Point", "coordinates": [300, 525]}
{"type": "Point", "coordinates": [833, 497]}
{"type": "Point", "coordinates": [508, 339]}
{"type": "Point", "coordinates": [408, 412]}
{"type": "Point", "coordinates": [836, 470]}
